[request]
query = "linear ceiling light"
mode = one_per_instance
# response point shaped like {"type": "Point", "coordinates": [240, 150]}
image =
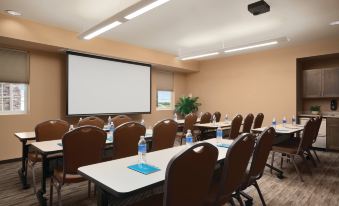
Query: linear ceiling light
{"type": "Point", "coordinates": [200, 56]}
{"type": "Point", "coordinates": [102, 30]}
{"type": "Point", "coordinates": [145, 9]}
{"type": "Point", "coordinates": [334, 23]}
{"type": "Point", "coordinates": [251, 46]}
{"type": "Point", "coordinates": [13, 13]}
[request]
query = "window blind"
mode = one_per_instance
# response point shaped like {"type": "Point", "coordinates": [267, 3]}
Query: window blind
{"type": "Point", "coordinates": [165, 80]}
{"type": "Point", "coordinates": [14, 66]}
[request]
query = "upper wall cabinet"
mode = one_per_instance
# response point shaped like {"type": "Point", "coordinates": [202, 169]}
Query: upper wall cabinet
{"type": "Point", "coordinates": [312, 83]}
{"type": "Point", "coordinates": [321, 83]}
{"type": "Point", "coordinates": [331, 82]}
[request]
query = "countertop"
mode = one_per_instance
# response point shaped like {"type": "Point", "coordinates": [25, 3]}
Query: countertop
{"type": "Point", "coordinates": [325, 115]}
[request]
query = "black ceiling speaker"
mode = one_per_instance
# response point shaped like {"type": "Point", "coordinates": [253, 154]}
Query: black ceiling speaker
{"type": "Point", "coordinates": [258, 7]}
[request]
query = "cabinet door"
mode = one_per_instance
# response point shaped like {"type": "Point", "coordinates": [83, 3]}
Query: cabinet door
{"type": "Point", "coordinates": [332, 133]}
{"type": "Point", "coordinates": [331, 82]}
{"type": "Point", "coordinates": [312, 83]}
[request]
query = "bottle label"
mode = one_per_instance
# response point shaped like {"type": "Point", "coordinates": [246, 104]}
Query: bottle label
{"type": "Point", "coordinates": [219, 133]}
{"type": "Point", "coordinates": [142, 148]}
{"type": "Point", "coordinates": [189, 139]}
{"type": "Point", "coordinates": [284, 121]}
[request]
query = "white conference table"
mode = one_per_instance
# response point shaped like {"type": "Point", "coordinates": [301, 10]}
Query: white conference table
{"type": "Point", "coordinates": [182, 121]}
{"type": "Point", "coordinates": [115, 178]}
{"type": "Point", "coordinates": [211, 125]}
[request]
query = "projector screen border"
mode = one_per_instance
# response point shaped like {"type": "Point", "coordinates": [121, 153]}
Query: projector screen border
{"type": "Point", "coordinates": [69, 52]}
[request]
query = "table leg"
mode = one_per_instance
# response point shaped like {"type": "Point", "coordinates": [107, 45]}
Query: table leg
{"type": "Point", "coordinates": [23, 170]}
{"type": "Point", "coordinates": [42, 191]}
{"type": "Point", "coordinates": [102, 199]}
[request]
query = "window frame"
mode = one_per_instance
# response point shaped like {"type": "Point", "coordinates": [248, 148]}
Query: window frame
{"type": "Point", "coordinates": [11, 96]}
{"type": "Point", "coordinates": [172, 100]}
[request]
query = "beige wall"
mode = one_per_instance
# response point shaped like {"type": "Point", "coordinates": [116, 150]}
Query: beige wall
{"type": "Point", "coordinates": [47, 100]}
{"type": "Point", "coordinates": [257, 82]}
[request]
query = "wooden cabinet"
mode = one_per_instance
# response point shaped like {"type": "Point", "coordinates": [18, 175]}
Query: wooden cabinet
{"type": "Point", "coordinates": [312, 85]}
{"type": "Point", "coordinates": [321, 83]}
{"type": "Point", "coordinates": [332, 133]}
{"type": "Point", "coordinates": [331, 82]}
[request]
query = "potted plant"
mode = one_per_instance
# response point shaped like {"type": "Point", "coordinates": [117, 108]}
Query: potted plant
{"type": "Point", "coordinates": [315, 109]}
{"type": "Point", "coordinates": [186, 105]}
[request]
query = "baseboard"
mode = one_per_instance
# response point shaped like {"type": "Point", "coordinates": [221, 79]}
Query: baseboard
{"type": "Point", "coordinates": [10, 160]}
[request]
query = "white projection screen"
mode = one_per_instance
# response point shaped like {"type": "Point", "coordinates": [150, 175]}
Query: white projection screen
{"type": "Point", "coordinates": [99, 85]}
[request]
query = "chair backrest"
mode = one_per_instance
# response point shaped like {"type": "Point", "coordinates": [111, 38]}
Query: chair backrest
{"type": "Point", "coordinates": [51, 130]}
{"type": "Point", "coordinates": [126, 138]}
{"type": "Point", "coordinates": [261, 152]}
{"type": "Point", "coordinates": [308, 134]}
{"type": "Point", "coordinates": [120, 119]}
{"type": "Point", "coordinates": [235, 164]}
{"type": "Point", "coordinates": [164, 133]}
{"type": "Point", "coordinates": [205, 118]}
{"type": "Point", "coordinates": [248, 121]}
{"type": "Point", "coordinates": [235, 127]}
{"type": "Point", "coordinates": [318, 120]}
{"type": "Point", "coordinates": [217, 116]}
{"type": "Point", "coordinates": [188, 184]}
{"type": "Point", "coordinates": [258, 120]}
{"type": "Point", "coordinates": [92, 121]}
{"type": "Point", "coordinates": [189, 122]}
{"type": "Point", "coordinates": [82, 146]}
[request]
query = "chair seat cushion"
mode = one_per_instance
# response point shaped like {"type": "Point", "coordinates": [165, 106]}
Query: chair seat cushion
{"type": "Point", "coordinates": [69, 178]}
{"type": "Point", "coordinates": [290, 146]}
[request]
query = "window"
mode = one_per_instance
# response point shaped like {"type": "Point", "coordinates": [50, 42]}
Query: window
{"type": "Point", "coordinates": [165, 100]}
{"type": "Point", "coordinates": [13, 98]}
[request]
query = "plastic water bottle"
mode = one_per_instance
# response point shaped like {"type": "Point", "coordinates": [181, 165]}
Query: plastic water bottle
{"type": "Point", "coordinates": [109, 120]}
{"type": "Point", "coordinates": [274, 122]}
{"type": "Point", "coordinates": [214, 120]}
{"type": "Point", "coordinates": [226, 118]}
{"type": "Point", "coordinates": [219, 135]}
{"type": "Point", "coordinates": [293, 120]}
{"type": "Point", "coordinates": [142, 150]}
{"type": "Point", "coordinates": [71, 127]}
{"type": "Point", "coordinates": [111, 131]}
{"type": "Point", "coordinates": [200, 115]}
{"type": "Point", "coordinates": [80, 119]}
{"type": "Point", "coordinates": [189, 138]}
{"type": "Point", "coordinates": [284, 121]}
{"type": "Point", "coordinates": [175, 117]}
{"type": "Point", "coordinates": [142, 122]}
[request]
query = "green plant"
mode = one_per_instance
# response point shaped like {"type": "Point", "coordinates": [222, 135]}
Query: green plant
{"type": "Point", "coordinates": [186, 105]}
{"type": "Point", "coordinates": [315, 108]}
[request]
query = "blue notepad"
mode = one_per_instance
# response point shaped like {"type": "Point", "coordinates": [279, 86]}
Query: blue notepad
{"type": "Point", "coordinates": [60, 144]}
{"type": "Point", "coordinates": [223, 145]}
{"type": "Point", "coordinates": [144, 168]}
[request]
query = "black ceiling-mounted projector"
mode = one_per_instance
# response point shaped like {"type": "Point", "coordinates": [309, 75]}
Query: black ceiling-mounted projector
{"type": "Point", "coordinates": [258, 7]}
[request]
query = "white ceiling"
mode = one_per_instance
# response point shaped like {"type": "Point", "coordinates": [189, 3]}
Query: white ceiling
{"type": "Point", "coordinates": [189, 25]}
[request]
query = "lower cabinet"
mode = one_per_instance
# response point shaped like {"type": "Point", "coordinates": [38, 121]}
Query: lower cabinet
{"type": "Point", "coordinates": [332, 133]}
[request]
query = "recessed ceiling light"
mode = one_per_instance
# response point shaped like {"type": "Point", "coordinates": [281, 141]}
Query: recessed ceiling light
{"type": "Point", "coordinates": [13, 13]}
{"type": "Point", "coordinates": [334, 23]}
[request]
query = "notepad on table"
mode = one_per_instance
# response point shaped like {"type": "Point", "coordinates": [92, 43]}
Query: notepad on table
{"type": "Point", "coordinates": [223, 145]}
{"type": "Point", "coordinates": [144, 168]}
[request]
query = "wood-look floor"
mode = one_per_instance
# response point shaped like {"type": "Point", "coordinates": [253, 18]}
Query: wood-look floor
{"type": "Point", "coordinates": [322, 188]}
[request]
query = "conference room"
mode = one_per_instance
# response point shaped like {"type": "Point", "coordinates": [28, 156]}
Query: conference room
{"type": "Point", "coordinates": [169, 102]}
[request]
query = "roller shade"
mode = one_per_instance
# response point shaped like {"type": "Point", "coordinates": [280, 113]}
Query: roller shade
{"type": "Point", "coordinates": [165, 80]}
{"type": "Point", "coordinates": [14, 66]}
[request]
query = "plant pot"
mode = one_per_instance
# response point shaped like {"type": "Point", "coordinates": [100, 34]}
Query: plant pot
{"type": "Point", "coordinates": [315, 112]}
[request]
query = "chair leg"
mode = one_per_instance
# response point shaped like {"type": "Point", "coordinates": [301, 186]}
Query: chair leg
{"type": "Point", "coordinates": [237, 196]}
{"type": "Point", "coordinates": [272, 161]}
{"type": "Point", "coordinates": [59, 194]}
{"type": "Point", "coordinates": [89, 189]}
{"type": "Point", "coordinates": [181, 141]}
{"type": "Point", "coordinates": [297, 169]}
{"type": "Point", "coordinates": [315, 154]}
{"type": "Point", "coordinates": [33, 177]}
{"type": "Point", "coordinates": [259, 192]}
{"type": "Point", "coordinates": [305, 162]}
{"type": "Point", "coordinates": [311, 157]}
{"type": "Point", "coordinates": [281, 161]}
{"type": "Point", "coordinates": [232, 201]}
{"type": "Point", "coordinates": [51, 192]}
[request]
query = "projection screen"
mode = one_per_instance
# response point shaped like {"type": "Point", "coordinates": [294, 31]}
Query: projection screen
{"type": "Point", "coordinates": [100, 85]}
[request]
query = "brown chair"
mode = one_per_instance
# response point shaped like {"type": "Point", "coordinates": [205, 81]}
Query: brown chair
{"type": "Point", "coordinates": [92, 121]}
{"type": "Point", "coordinates": [258, 120]}
{"type": "Point", "coordinates": [181, 187]}
{"type": "Point", "coordinates": [217, 116]}
{"type": "Point", "coordinates": [248, 123]}
{"type": "Point", "coordinates": [260, 155]}
{"type": "Point", "coordinates": [81, 146]}
{"type": "Point", "coordinates": [235, 127]}
{"type": "Point", "coordinates": [205, 118]}
{"type": "Point", "coordinates": [126, 138]}
{"type": "Point", "coordinates": [296, 147]}
{"type": "Point", "coordinates": [233, 171]}
{"type": "Point", "coordinates": [164, 133]}
{"type": "Point", "coordinates": [189, 122]}
{"type": "Point", "coordinates": [45, 131]}
{"type": "Point", "coordinates": [120, 119]}
{"type": "Point", "coordinates": [318, 120]}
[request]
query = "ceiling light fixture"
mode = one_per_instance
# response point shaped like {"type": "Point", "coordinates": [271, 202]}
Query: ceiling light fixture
{"type": "Point", "coordinates": [13, 13]}
{"type": "Point", "coordinates": [200, 56]}
{"type": "Point", "coordinates": [145, 9]}
{"type": "Point", "coordinates": [334, 23]}
{"type": "Point", "coordinates": [251, 46]}
{"type": "Point", "coordinates": [102, 30]}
